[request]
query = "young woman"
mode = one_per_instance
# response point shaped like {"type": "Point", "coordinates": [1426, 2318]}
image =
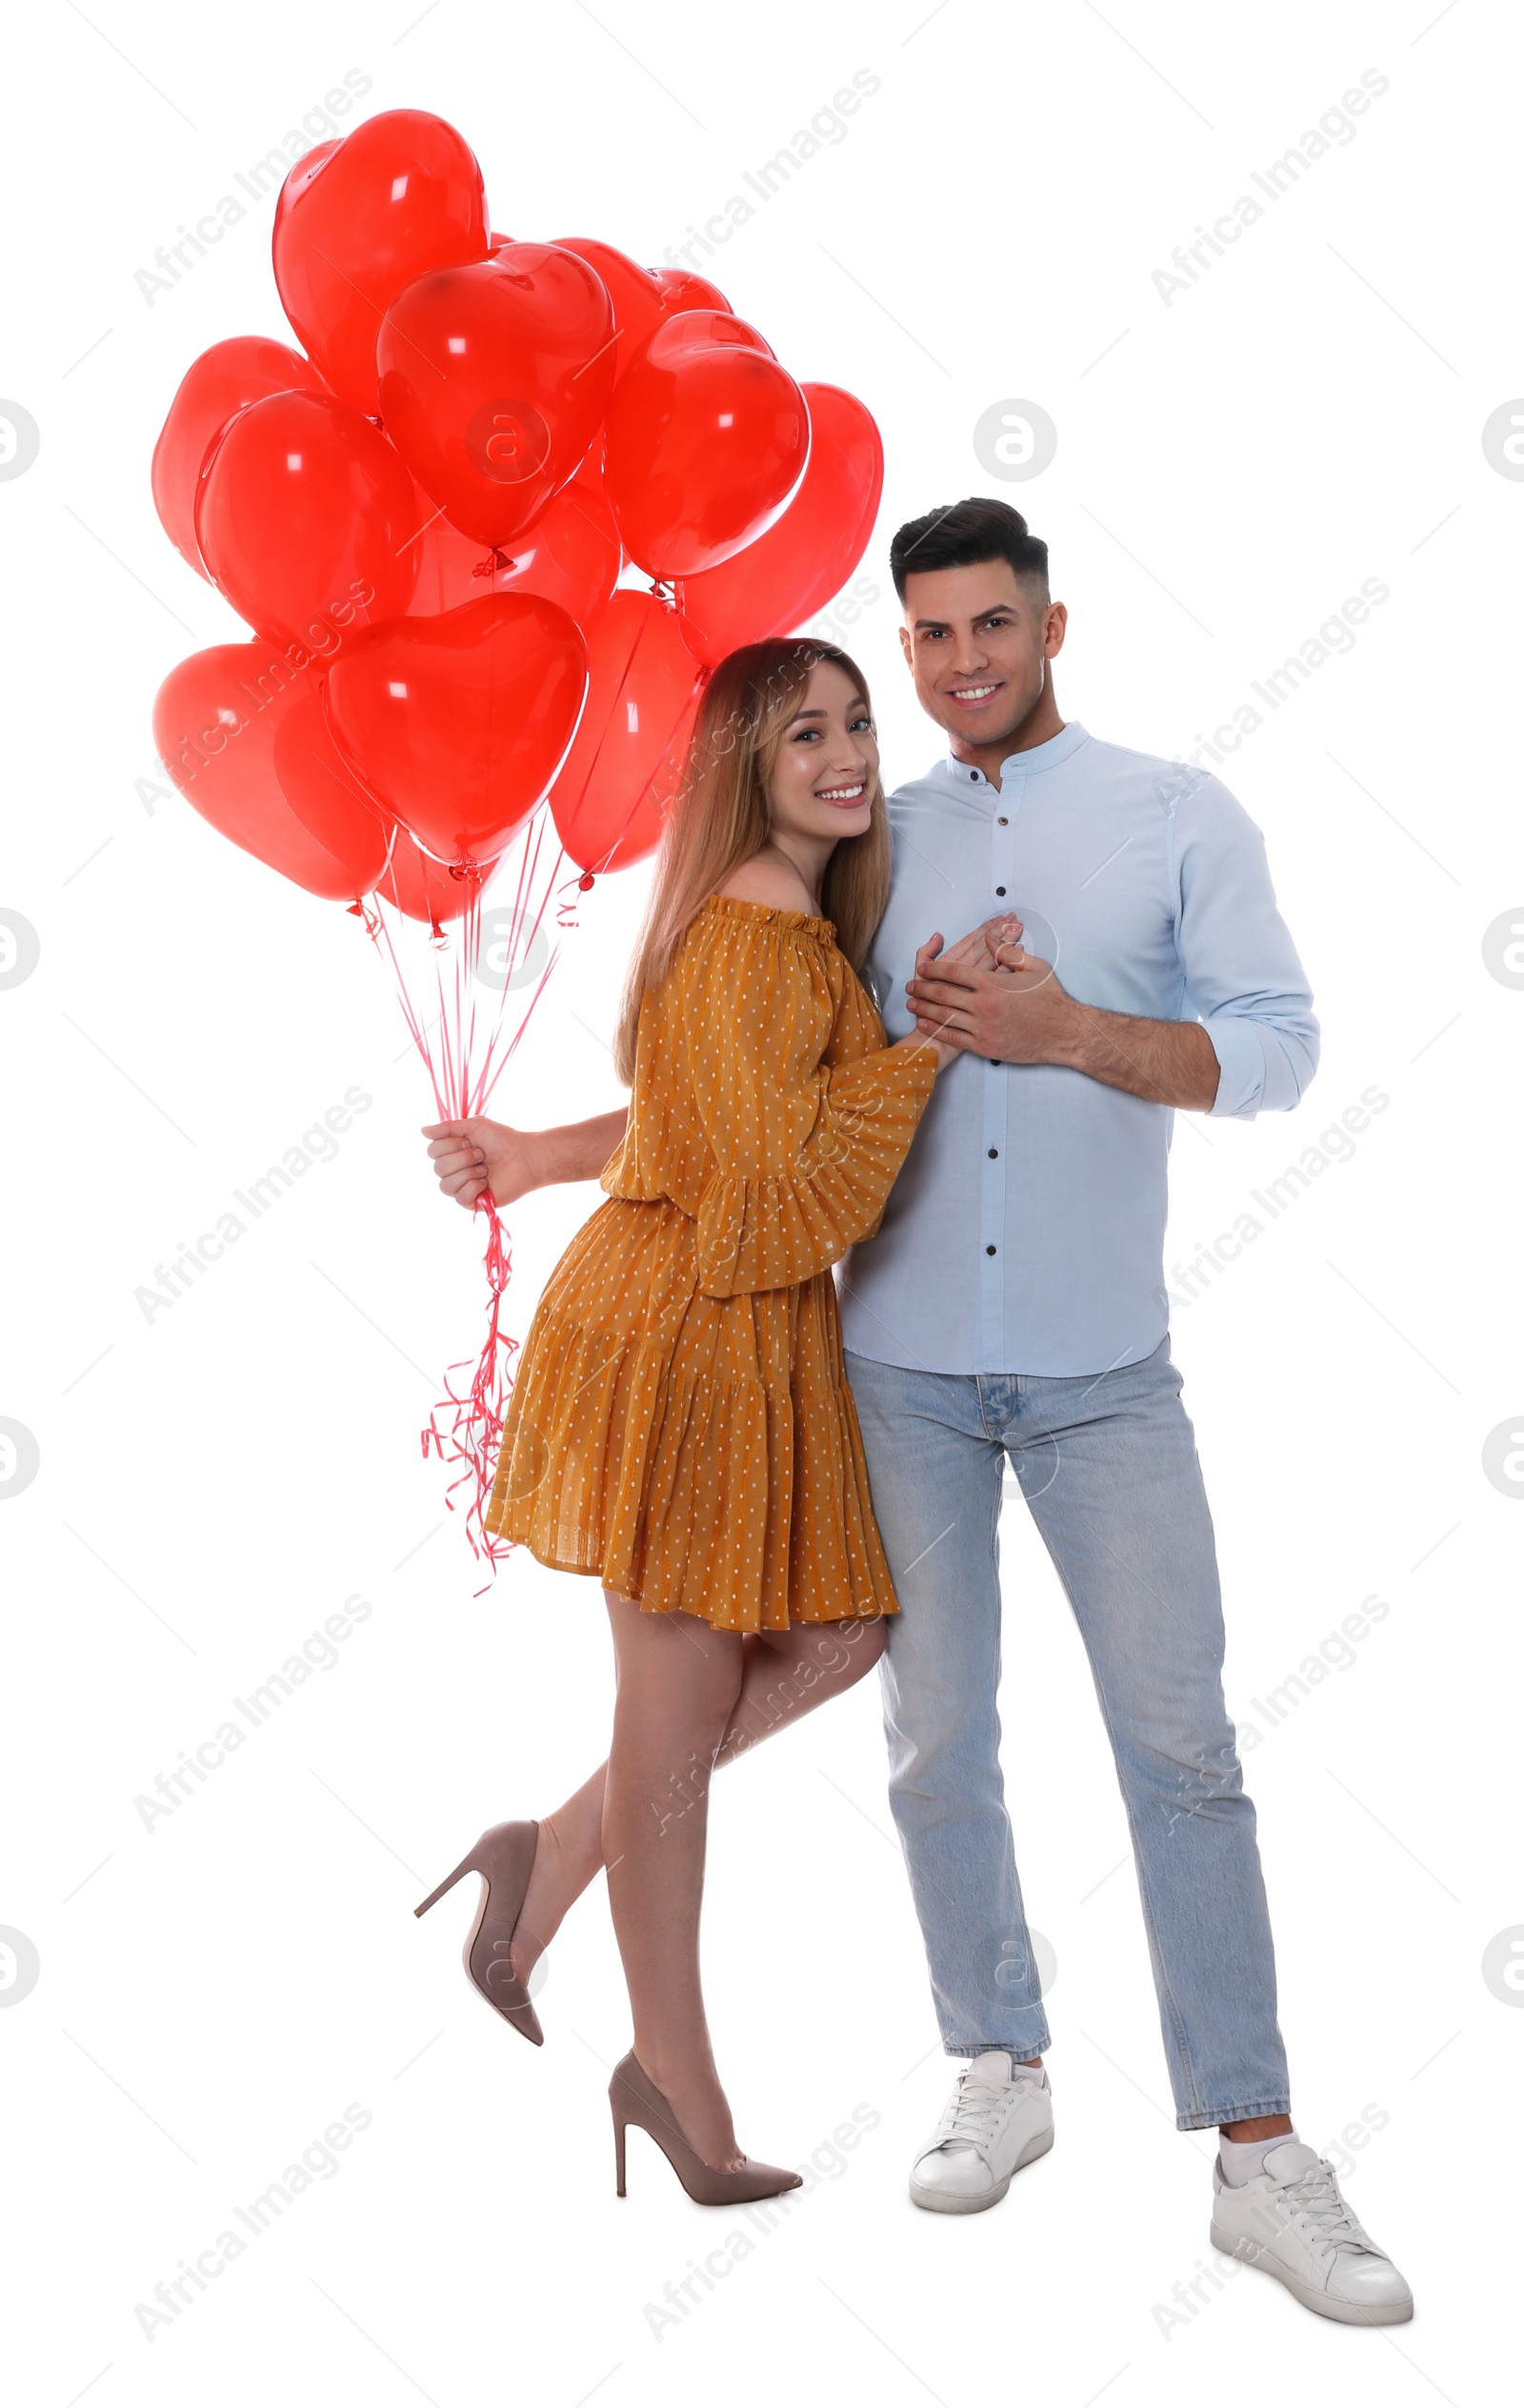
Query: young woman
{"type": "Point", "coordinates": [681, 1424]}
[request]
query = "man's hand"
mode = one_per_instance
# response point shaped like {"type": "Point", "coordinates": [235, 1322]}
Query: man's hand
{"type": "Point", "coordinates": [1006, 1006]}
{"type": "Point", "coordinates": [975, 951]}
{"type": "Point", "coordinates": [1017, 1010]}
{"type": "Point", "coordinates": [979, 949]}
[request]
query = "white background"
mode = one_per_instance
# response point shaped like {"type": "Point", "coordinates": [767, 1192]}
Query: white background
{"type": "Point", "coordinates": [215, 1991]}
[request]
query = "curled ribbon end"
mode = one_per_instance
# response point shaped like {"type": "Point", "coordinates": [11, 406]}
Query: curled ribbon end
{"type": "Point", "coordinates": [475, 1434]}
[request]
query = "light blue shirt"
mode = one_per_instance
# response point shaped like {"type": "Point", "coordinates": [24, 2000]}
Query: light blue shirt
{"type": "Point", "coordinates": [1026, 1231]}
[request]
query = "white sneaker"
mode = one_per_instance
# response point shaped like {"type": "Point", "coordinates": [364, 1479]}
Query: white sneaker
{"type": "Point", "coordinates": [1293, 2222]}
{"type": "Point", "coordinates": [1000, 2117]}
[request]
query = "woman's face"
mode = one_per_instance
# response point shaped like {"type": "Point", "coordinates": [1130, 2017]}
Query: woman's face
{"type": "Point", "coordinates": [827, 765]}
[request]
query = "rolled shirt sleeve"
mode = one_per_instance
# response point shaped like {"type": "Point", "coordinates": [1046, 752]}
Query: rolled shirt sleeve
{"type": "Point", "coordinates": [1243, 979]}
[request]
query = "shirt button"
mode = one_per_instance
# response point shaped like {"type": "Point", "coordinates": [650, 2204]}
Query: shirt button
{"type": "Point", "coordinates": [999, 889]}
{"type": "Point", "coordinates": [989, 1250]}
{"type": "Point", "coordinates": [995, 1154]}
{"type": "Point", "coordinates": [1002, 822]}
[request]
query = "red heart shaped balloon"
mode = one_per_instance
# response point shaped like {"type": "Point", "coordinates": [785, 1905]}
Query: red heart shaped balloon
{"type": "Point", "coordinates": [642, 830]}
{"type": "Point", "coordinates": [458, 724]}
{"type": "Point", "coordinates": [358, 219]}
{"type": "Point", "coordinates": [706, 438]}
{"type": "Point", "coordinates": [634, 295]}
{"type": "Point", "coordinates": [214, 388]}
{"type": "Point", "coordinates": [571, 555]}
{"type": "Point", "coordinates": [680, 289]}
{"type": "Point", "coordinates": [641, 685]}
{"type": "Point", "coordinates": [307, 521]}
{"type": "Point", "coordinates": [320, 784]}
{"type": "Point", "coordinates": [217, 719]}
{"type": "Point", "coordinates": [792, 570]}
{"type": "Point", "coordinates": [493, 381]}
{"type": "Point", "coordinates": [590, 474]}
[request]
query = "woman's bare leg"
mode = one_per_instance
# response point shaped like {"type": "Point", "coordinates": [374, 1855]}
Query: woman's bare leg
{"type": "Point", "coordinates": [678, 1683]}
{"type": "Point", "coordinates": [784, 1675]}
{"type": "Point", "coordinates": [790, 1672]}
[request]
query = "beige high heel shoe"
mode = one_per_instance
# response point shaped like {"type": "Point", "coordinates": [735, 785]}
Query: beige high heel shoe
{"type": "Point", "coordinates": [636, 2101]}
{"type": "Point", "coordinates": [505, 1858]}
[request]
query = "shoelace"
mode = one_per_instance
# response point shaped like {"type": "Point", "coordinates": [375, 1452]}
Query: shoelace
{"type": "Point", "coordinates": [1316, 2196]}
{"type": "Point", "coordinates": [980, 2104]}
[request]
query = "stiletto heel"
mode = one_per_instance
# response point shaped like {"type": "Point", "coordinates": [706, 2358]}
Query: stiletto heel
{"type": "Point", "coordinates": [635, 2099]}
{"type": "Point", "coordinates": [466, 1864]}
{"type": "Point", "coordinates": [505, 1858]}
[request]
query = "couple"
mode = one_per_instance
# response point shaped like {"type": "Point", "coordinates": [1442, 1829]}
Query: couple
{"type": "Point", "coordinates": [777, 1493]}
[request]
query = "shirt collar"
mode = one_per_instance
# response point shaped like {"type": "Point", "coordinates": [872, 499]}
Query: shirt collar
{"type": "Point", "coordinates": [1028, 764]}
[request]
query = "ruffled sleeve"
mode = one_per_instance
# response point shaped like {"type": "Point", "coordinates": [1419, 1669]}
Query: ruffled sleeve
{"type": "Point", "coordinates": [798, 1154]}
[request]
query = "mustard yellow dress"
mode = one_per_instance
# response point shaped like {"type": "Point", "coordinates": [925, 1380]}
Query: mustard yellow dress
{"type": "Point", "coordinates": [681, 1424]}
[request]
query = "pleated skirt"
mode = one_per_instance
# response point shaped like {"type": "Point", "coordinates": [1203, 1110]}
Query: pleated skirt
{"type": "Point", "coordinates": [695, 1454]}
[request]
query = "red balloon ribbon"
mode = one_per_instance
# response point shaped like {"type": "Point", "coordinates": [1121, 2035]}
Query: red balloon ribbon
{"type": "Point", "coordinates": [466, 1050]}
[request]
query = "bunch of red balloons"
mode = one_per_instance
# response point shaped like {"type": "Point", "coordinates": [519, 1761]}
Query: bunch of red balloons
{"type": "Point", "coordinates": [426, 519]}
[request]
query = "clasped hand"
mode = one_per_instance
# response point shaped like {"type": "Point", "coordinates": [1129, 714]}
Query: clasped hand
{"type": "Point", "coordinates": [986, 995]}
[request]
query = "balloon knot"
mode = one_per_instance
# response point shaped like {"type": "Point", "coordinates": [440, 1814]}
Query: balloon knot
{"type": "Point", "coordinates": [496, 560]}
{"type": "Point", "coordinates": [584, 882]}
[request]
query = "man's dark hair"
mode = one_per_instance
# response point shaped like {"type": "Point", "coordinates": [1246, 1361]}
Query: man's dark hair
{"type": "Point", "coordinates": [964, 534]}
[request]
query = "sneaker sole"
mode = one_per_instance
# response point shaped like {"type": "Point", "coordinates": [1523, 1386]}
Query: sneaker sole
{"type": "Point", "coordinates": [1250, 2253]}
{"type": "Point", "coordinates": [942, 2205]}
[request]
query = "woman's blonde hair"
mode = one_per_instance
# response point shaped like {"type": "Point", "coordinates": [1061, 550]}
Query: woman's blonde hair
{"type": "Point", "coordinates": [719, 817]}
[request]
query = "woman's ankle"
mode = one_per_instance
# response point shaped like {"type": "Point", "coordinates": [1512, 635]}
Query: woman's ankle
{"type": "Point", "coordinates": [557, 1879]}
{"type": "Point", "coordinates": [676, 2071]}
{"type": "Point", "coordinates": [697, 2100]}
{"type": "Point", "coordinates": [545, 1901]}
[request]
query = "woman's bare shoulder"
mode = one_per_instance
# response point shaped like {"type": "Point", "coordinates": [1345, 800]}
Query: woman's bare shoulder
{"type": "Point", "coordinates": [766, 879]}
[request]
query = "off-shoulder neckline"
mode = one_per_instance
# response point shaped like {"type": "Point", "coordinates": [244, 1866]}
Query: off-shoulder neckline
{"type": "Point", "coordinates": [804, 921]}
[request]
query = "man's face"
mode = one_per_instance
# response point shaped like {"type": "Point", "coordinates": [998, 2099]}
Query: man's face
{"type": "Point", "coordinates": [979, 641]}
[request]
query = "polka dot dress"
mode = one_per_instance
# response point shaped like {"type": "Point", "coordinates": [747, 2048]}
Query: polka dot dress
{"type": "Point", "coordinates": [681, 1423]}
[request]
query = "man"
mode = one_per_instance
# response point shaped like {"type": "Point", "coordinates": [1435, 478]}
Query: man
{"type": "Point", "coordinates": [1013, 1305]}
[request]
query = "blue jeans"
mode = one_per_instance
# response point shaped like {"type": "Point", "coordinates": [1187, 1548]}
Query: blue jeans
{"type": "Point", "coordinates": [1107, 1467]}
